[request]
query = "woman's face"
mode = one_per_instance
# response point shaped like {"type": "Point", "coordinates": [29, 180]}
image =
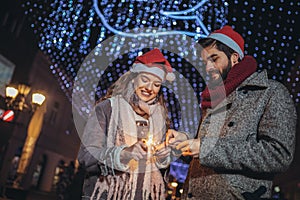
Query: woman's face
{"type": "Point", "coordinates": [147, 86]}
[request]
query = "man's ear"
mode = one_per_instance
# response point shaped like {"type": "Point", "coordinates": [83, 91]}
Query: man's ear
{"type": "Point", "coordinates": [234, 58]}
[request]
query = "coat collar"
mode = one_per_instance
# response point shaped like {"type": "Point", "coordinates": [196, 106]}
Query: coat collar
{"type": "Point", "coordinates": [257, 79]}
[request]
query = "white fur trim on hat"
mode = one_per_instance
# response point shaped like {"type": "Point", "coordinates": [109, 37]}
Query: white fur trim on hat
{"type": "Point", "coordinates": [170, 77]}
{"type": "Point", "coordinates": [228, 41]}
{"type": "Point", "coordinates": [139, 67]}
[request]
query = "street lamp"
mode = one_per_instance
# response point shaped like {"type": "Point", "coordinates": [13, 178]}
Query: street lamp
{"type": "Point", "coordinates": [16, 101]}
{"type": "Point", "coordinates": [16, 98]}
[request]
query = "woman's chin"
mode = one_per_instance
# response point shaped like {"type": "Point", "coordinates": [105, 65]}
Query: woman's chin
{"type": "Point", "coordinates": [146, 99]}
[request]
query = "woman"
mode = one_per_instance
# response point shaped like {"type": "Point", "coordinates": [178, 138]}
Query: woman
{"type": "Point", "coordinates": [123, 142]}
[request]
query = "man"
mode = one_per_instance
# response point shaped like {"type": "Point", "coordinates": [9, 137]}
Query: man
{"type": "Point", "coordinates": [247, 129]}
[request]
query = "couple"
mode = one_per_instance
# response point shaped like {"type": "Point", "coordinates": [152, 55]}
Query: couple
{"type": "Point", "coordinates": [124, 144]}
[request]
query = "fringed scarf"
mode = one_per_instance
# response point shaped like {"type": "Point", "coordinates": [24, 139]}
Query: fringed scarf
{"type": "Point", "coordinates": [213, 95]}
{"type": "Point", "coordinates": [122, 130]}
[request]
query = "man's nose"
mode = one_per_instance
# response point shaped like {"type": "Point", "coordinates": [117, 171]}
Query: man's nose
{"type": "Point", "coordinates": [209, 66]}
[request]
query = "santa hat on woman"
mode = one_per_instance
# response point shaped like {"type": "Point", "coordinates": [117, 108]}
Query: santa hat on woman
{"type": "Point", "coordinates": [155, 63]}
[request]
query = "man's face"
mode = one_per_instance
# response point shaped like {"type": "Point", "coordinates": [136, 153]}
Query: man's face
{"type": "Point", "coordinates": [217, 64]}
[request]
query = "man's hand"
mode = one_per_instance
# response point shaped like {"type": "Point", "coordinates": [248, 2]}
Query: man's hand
{"type": "Point", "coordinates": [173, 138]}
{"type": "Point", "coordinates": [189, 147]}
{"type": "Point", "coordinates": [137, 151]}
{"type": "Point", "coordinates": [162, 151]}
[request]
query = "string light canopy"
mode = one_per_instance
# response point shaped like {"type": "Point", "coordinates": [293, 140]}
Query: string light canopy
{"type": "Point", "coordinates": [69, 30]}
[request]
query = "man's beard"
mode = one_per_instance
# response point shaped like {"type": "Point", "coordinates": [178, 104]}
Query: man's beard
{"type": "Point", "coordinates": [222, 77]}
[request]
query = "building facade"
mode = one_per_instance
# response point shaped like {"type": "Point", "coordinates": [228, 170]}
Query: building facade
{"type": "Point", "coordinates": [57, 141]}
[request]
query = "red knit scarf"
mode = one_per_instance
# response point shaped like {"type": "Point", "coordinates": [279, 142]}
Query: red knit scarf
{"type": "Point", "coordinates": [212, 96]}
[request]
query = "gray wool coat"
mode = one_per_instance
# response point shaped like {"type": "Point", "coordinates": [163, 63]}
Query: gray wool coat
{"type": "Point", "coordinates": [246, 140]}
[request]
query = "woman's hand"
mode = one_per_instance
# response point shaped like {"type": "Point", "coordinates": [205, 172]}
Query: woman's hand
{"type": "Point", "coordinates": [162, 152]}
{"type": "Point", "coordinates": [137, 151]}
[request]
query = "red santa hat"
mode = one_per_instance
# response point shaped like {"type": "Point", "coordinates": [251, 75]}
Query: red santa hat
{"type": "Point", "coordinates": [155, 63]}
{"type": "Point", "coordinates": [229, 37]}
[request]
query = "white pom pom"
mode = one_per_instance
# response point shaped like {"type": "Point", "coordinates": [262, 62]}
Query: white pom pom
{"type": "Point", "coordinates": [170, 77]}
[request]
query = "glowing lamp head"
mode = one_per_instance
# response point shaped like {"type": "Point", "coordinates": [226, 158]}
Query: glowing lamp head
{"type": "Point", "coordinates": [38, 98]}
{"type": "Point", "coordinates": [11, 92]}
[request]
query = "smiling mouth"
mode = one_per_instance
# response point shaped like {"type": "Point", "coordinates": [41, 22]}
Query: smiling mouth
{"type": "Point", "coordinates": [145, 93]}
{"type": "Point", "coordinates": [214, 74]}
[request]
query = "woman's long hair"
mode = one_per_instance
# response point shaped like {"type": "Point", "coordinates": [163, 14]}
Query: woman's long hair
{"type": "Point", "coordinates": [124, 86]}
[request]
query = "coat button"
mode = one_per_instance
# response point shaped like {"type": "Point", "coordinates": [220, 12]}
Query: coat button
{"type": "Point", "coordinates": [190, 195]}
{"type": "Point", "coordinates": [245, 91]}
{"type": "Point", "coordinates": [230, 124]}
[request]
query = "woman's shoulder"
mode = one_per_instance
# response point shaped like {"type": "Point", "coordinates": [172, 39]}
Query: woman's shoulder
{"type": "Point", "coordinates": [105, 104]}
{"type": "Point", "coordinates": [103, 108]}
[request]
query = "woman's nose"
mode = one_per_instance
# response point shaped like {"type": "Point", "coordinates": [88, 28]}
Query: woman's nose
{"type": "Point", "coordinates": [149, 86]}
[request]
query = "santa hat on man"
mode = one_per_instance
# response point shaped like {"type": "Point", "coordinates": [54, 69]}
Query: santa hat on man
{"type": "Point", "coordinates": [231, 38]}
{"type": "Point", "coordinates": [155, 63]}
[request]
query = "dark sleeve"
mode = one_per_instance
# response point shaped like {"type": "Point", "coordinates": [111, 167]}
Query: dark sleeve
{"type": "Point", "coordinates": [94, 136]}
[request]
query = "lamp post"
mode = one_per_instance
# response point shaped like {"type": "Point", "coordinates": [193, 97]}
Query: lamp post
{"type": "Point", "coordinates": [16, 98]}
{"type": "Point", "coordinates": [16, 101]}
